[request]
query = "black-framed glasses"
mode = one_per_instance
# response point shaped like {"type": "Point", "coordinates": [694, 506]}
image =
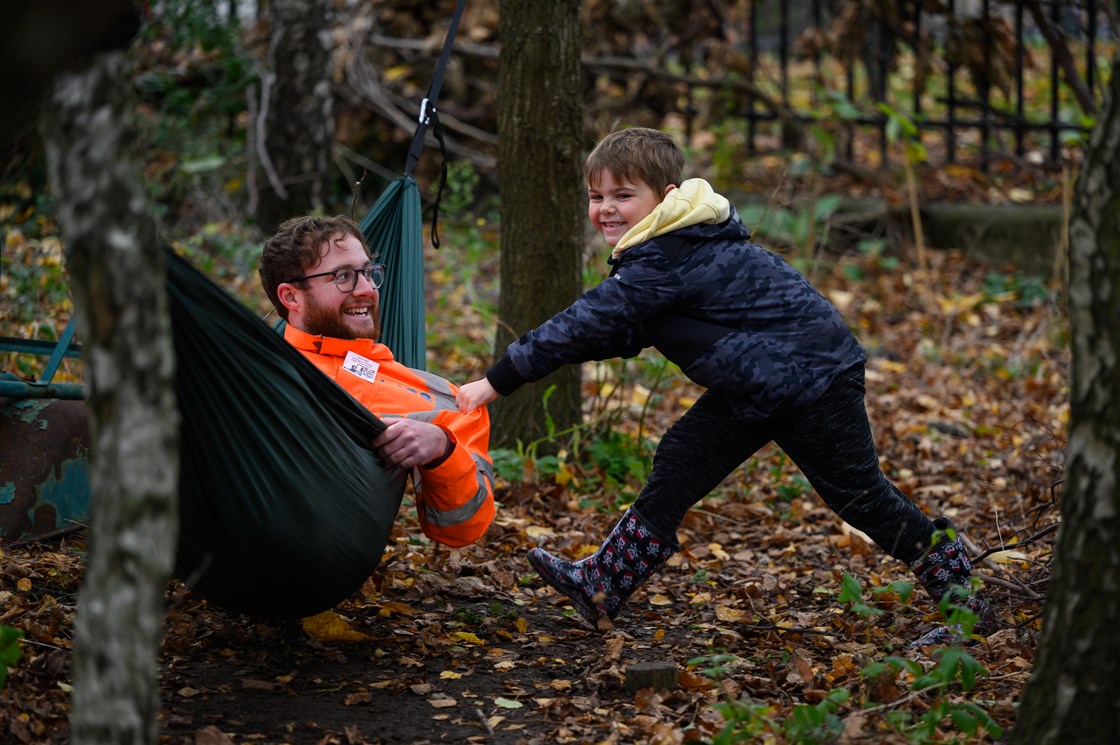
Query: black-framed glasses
{"type": "Point", "coordinates": [346, 278]}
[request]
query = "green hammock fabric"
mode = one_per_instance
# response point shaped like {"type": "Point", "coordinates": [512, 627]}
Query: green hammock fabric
{"type": "Point", "coordinates": [284, 508]}
{"type": "Point", "coordinates": [393, 228]}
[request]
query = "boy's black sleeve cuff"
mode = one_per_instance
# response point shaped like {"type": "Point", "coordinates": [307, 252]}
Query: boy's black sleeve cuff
{"type": "Point", "coordinates": [504, 376]}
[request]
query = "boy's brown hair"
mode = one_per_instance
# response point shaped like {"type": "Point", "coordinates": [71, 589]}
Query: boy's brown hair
{"type": "Point", "coordinates": [638, 154]}
{"type": "Point", "coordinates": [299, 244]}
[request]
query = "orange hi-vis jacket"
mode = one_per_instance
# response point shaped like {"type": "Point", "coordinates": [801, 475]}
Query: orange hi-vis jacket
{"type": "Point", "coordinates": [454, 499]}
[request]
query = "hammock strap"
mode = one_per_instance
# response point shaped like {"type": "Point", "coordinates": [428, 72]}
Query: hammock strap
{"type": "Point", "coordinates": [428, 105]}
{"type": "Point", "coordinates": [437, 130]}
{"type": "Point", "coordinates": [428, 116]}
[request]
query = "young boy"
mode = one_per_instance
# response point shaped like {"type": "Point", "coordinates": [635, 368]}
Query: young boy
{"type": "Point", "coordinates": [778, 362]}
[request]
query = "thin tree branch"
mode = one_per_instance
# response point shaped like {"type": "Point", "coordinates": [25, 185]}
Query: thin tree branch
{"type": "Point", "coordinates": [262, 146]}
{"type": "Point", "coordinates": [1060, 50]}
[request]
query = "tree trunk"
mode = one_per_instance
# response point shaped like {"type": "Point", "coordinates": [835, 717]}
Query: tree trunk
{"type": "Point", "coordinates": [1073, 695]}
{"type": "Point", "coordinates": [296, 119]}
{"type": "Point", "coordinates": [116, 268]}
{"type": "Point", "coordinates": [540, 130]}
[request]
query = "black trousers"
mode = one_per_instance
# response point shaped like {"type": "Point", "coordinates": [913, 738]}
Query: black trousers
{"type": "Point", "coordinates": [829, 440]}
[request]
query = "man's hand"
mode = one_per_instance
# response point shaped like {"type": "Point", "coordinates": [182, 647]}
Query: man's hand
{"type": "Point", "coordinates": [408, 443]}
{"type": "Point", "coordinates": [473, 395]}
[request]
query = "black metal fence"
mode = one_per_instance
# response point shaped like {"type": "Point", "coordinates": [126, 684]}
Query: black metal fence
{"type": "Point", "coordinates": [977, 79]}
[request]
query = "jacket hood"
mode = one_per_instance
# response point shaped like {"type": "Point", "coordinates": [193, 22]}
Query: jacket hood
{"type": "Point", "coordinates": [692, 203]}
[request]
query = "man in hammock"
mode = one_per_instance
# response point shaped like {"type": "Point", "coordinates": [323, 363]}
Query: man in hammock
{"type": "Point", "coordinates": [318, 274]}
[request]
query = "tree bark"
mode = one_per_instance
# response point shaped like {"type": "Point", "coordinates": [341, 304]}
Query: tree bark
{"type": "Point", "coordinates": [116, 269]}
{"type": "Point", "coordinates": [540, 161]}
{"type": "Point", "coordinates": [1073, 695]}
{"type": "Point", "coordinates": [295, 127]}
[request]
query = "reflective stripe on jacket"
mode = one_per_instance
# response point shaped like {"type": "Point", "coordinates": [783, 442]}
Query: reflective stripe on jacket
{"type": "Point", "coordinates": [455, 499]}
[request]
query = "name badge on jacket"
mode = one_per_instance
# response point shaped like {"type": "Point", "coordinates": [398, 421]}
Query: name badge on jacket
{"type": "Point", "coordinates": [362, 367]}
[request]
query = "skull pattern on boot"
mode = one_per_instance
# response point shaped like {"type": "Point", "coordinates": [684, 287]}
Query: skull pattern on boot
{"type": "Point", "coordinates": [946, 565]}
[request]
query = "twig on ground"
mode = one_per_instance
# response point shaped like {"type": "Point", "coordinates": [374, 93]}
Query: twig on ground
{"type": "Point", "coordinates": [981, 556]}
{"type": "Point", "coordinates": [482, 718]}
{"type": "Point", "coordinates": [76, 528]}
{"type": "Point", "coordinates": [1010, 584]}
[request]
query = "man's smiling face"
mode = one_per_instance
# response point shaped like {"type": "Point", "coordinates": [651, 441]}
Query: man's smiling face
{"type": "Point", "coordinates": [326, 311]}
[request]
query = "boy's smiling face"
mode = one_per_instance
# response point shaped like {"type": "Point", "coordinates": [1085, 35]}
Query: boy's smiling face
{"type": "Point", "coordinates": [614, 205]}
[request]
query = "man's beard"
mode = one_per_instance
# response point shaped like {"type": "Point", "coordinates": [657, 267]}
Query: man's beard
{"type": "Point", "coordinates": [321, 321]}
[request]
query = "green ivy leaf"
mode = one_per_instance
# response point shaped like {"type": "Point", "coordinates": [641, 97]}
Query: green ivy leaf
{"type": "Point", "coordinates": [10, 650]}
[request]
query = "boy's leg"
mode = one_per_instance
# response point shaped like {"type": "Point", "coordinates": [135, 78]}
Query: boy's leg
{"type": "Point", "coordinates": [831, 442]}
{"type": "Point", "coordinates": [694, 456]}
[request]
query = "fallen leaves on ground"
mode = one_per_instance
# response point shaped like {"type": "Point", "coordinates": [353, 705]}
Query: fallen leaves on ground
{"type": "Point", "coordinates": [968, 399]}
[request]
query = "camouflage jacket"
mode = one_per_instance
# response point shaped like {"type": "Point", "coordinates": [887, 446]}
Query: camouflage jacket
{"type": "Point", "coordinates": [733, 316]}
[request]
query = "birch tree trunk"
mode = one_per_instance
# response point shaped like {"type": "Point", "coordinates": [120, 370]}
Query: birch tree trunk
{"type": "Point", "coordinates": [296, 119]}
{"type": "Point", "coordinates": [1073, 695]}
{"type": "Point", "coordinates": [116, 268]}
{"type": "Point", "coordinates": [540, 167]}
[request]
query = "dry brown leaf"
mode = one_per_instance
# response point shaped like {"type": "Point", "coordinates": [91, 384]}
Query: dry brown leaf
{"type": "Point", "coordinates": [442, 701]}
{"type": "Point", "coordinates": [359, 697]}
{"type": "Point", "coordinates": [614, 645]}
{"type": "Point", "coordinates": [690, 681]}
{"type": "Point", "coordinates": [730, 615]}
{"type": "Point", "coordinates": [211, 736]}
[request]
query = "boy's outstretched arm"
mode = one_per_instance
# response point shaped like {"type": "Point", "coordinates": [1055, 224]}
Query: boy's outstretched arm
{"type": "Point", "coordinates": [474, 394]}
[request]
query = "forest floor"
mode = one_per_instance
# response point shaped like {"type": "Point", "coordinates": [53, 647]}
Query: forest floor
{"type": "Point", "coordinates": [967, 392]}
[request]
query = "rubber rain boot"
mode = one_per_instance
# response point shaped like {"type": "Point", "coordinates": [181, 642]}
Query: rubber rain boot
{"type": "Point", "coordinates": [945, 565]}
{"type": "Point", "coordinates": [599, 585]}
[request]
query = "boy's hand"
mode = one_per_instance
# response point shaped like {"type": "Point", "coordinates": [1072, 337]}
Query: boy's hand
{"type": "Point", "coordinates": [475, 394]}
